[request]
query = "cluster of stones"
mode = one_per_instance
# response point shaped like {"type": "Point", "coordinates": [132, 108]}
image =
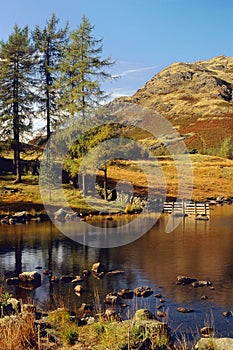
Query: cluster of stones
{"type": "Point", "coordinates": [185, 280]}
{"type": "Point", "coordinates": [21, 218]}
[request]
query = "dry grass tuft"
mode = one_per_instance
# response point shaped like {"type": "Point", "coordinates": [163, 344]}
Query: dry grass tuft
{"type": "Point", "coordinates": [18, 333]}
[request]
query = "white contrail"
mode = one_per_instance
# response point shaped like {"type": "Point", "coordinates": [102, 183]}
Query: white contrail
{"type": "Point", "coordinates": [131, 71]}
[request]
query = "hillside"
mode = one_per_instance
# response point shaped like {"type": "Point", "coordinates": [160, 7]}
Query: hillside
{"type": "Point", "coordinates": [196, 98]}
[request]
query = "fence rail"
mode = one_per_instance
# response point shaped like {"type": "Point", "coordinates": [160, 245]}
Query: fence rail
{"type": "Point", "coordinates": [187, 208]}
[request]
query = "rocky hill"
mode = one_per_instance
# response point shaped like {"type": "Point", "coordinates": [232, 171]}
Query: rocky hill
{"type": "Point", "coordinates": [196, 98]}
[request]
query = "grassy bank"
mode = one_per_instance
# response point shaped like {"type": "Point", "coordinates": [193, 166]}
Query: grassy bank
{"type": "Point", "coordinates": [212, 178]}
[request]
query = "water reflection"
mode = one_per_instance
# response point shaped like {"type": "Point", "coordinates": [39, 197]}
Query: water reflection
{"type": "Point", "coordinates": [198, 249]}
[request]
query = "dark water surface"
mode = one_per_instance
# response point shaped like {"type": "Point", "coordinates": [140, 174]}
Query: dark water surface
{"type": "Point", "coordinates": [199, 249]}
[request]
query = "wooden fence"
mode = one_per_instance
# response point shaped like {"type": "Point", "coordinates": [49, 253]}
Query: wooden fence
{"type": "Point", "coordinates": [184, 208]}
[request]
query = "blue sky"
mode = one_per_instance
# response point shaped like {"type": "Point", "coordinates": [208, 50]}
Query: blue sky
{"type": "Point", "coordinates": [143, 36]}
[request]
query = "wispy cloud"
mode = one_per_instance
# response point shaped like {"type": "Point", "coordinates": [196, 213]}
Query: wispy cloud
{"type": "Point", "coordinates": [132, 71]}
{"type": "Point", "coordinates": [118, 92]}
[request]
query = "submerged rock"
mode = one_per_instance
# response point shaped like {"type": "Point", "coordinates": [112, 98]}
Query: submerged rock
{"type": "Point", "coordinates": [185, 280]}
{"type": "Point", "coordinates": [207, 331]}
{"type": "Point", "coordinates": [226, 313]}
{"type": "Point", "coordinates": [12, 281]}
{"type": "Point", "coordinates": [67, 278]}
{"type": "Point", "coordinates": [201, 284]}
{"type": "Point", "coordinates": [144, 291]}
{"type": "Point", "coordinates": [115, 272]}
{"type": "Point", "coordinates": [111, 298]}
{"type": "Point", "coordinates": [98, 268]}
{"type": "Point", "coordinates": [126, 293]}
{"type": "Point", "coordinates": [184, 310]}
{"type": "Point", "coordinates": [78, 289]}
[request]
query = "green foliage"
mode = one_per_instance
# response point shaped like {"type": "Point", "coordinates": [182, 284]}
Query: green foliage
{"type": "Point", "coordinates": [4, 297]}
{"type": "Point", "coordinates": [50, 43]}
{"type": "Point", "coordinates": [58, 317]}
{"type": "Point", "coordinates": [225, 150]}
{"type": "Point", "coordinates": [70, 335]}
{"type": "Point", "coordinates": [17, 60]}
{"type": "Point", "coordinates": [136, 205]}
{"type": "Point", "coordinates": [60, 320]}
{"type": "Point", "coordinates": [82, 69]}
{"type": "Point", "coordinates": [99, 328]}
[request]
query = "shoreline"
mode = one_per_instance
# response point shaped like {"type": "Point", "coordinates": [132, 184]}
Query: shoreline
{"type": "Point", "coordinates": [25, 216]}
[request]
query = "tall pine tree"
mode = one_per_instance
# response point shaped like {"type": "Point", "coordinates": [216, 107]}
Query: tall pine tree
{"type": "Point", "coordinates": [17, 61]}
{"type": "Point", "coordinates": [82, 70]}
{"type": "Point", "coordinates": [49, 43]}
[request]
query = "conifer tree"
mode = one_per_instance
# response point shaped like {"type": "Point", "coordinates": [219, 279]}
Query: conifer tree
{"type": "Point", "coordinates": [17, 60]}
{"type": "Point", "coordinates": [49, 43]}
{"type": "Point", "coordinates": [82, 70]}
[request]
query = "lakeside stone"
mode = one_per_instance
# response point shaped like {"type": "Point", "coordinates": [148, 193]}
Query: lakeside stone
{"type": "Point", "coordinates": [207, 331]}
{"type": "Point", "coordinates": [67, 278]}
{"type": "Point", "coordinates": [144, 291]}
{"type": "Point", "coordinates": [215, 343]}
{"type": "Point", "coordinates": [32, 277]}
{"type": "Point", "coordinates": [115, 272]}
{"type": "Point", "coordinates": [111, 298]}
{"type": "Point", "coordinates": [59, 215]}
{"type": "Point", "coordinates": [12, 281]}
{"type": "Point", "coordinates": [184, 310]}
{"type": "Point", "coordinates": [98, 268]}
{"type": "Point", "coordinates": [144, 321]}
{"type": "Point", "coordinates": [126, 293]}
{"type": "Point", "coordinates": [78, 289]}
{"type": "Point", "coordinates": [143, 314]}
{"type": "Point", "coordinates": [185, 280]}
{"type": "Point", "coordinates": [11, 307]}
{"type": "Point", "coordinates": [201, 284]}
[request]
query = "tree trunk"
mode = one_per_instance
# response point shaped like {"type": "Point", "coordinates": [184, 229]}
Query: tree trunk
{"type": "Point", "coordinates": [48, 108]}
{"type": "Point", "coordinates": [16, 142]}
{"type": "Point", "coordinates": [105, 182]}
{"type": "Point", "coordinates": [17, 162]}
{"type": "Point", "coordinates": [84, 184]}
{"type": "Point", "coordinates": [48, 83]}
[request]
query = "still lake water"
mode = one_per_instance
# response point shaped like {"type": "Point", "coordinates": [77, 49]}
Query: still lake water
{"type": "Point", "coordinates": [200, 249]}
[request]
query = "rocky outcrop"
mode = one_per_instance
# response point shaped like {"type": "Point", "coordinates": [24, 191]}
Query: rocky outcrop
{"type": "Point", "coordinates": [195, 97]}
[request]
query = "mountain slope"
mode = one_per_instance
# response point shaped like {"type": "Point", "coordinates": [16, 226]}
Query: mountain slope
{"type": "Point", "coordinates": [196, 97]}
